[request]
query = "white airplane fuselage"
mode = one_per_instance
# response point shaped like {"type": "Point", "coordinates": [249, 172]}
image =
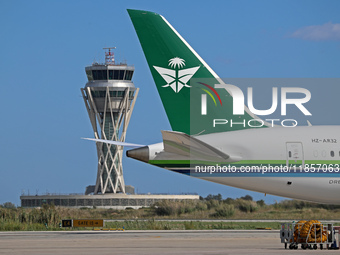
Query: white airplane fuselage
{"type": "Point", "coordinates": [300, 162]}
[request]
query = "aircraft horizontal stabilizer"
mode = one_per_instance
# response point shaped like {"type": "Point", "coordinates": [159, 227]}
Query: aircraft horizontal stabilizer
{"type": "Point", "coordinates": [115, 142]}
{"type": "Point", "coordinates": [186, 145]}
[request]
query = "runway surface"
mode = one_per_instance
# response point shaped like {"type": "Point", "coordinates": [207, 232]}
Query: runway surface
{"type": "Point", "coordinates": [148, 242]}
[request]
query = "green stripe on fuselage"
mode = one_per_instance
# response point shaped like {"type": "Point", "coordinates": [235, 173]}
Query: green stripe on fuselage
{"type": "Point", "coordinates": [191, 163]}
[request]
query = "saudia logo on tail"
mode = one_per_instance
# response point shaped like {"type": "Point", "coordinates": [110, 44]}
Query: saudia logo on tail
{"type": "Point", "coordinates": [176, 78]}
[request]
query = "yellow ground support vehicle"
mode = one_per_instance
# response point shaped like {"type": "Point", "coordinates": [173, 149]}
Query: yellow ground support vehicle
{"type": "Point", "coordinates": [309, 234]}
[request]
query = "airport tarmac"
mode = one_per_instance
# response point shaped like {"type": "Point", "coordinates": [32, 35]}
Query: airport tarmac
{"type": "Point", "coordinates": [148, 242]}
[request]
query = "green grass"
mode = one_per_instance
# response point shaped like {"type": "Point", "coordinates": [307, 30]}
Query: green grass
{"type": "Point", "coordinates": [49, 217]}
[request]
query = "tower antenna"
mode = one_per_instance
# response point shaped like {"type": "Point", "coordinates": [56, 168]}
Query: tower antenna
{"type": "Point", "coordinates": [109, 56]}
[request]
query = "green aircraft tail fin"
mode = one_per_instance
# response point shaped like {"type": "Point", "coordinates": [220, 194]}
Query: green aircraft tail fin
{"type": "Point", "coordinates": [185, 83]}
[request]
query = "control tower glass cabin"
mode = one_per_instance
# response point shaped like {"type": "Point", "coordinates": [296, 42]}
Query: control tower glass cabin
{"type": "Point", "coordinates": [109, 97]}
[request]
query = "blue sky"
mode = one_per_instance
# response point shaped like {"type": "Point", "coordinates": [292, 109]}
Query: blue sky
{"type": "Point", "coordinates": [45, 46]}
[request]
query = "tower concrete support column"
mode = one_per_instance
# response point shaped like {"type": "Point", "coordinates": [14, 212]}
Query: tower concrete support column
{"type": "Point", "coordinates": [110, 123]}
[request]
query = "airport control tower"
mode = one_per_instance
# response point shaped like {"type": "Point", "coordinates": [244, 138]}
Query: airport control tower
{"type": "Point", "coordinates": [109, 97]}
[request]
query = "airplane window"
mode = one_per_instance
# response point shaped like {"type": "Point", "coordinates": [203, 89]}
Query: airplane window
{"type": "Point", "coordinates": [290, 154]}
{"type": "Point", "coordinates": [332, 153]}
{"type": "Point", "coordinates": [315, 154]}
